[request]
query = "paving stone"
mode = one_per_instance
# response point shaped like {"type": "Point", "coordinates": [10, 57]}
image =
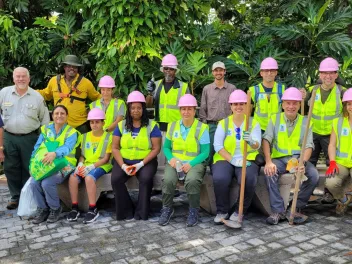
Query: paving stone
{"type": "Point", "coordinates": [338, 259]}
{"type": "Point", "coordinates": [3, 253]}
{"type": "Point", "coordinates": [255, 242]}
{"type": "Point", "coordinates": [318, 241]}
{"type": "Point", "coordinates": [168, 259]}
{"type": "Point", "coordinates": [274, 245]}
{"type": "Point", "coordinates": [294, 250]}
{"type": "Point", "coordinates": [199, 259]}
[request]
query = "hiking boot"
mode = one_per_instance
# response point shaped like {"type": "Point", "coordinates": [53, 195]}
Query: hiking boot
{"type": "Point", "coordinates": [327, 198]}
{"type": "Point", "coordinates": [233, 221]}
{"type": "Point", "coordinates": [40, 216]}
{"type": "Point", "coordinates": [91, 216]}
{"type": "Point", "coordinates": [275, 218]}
{"type": "Point", "coordinates": [12, 205]}
{"type": "Point", "coordinates": [298, 217]}
{"type": "Point", "coordinates": [193, 216]}
{"type": "Point", "coordinates": [165, 216]}
{"type": "Point", "coordinates": [341, 207]}
{"type": "Point", "coordinates": [218, 218]}
{"type": "Point", "coordinates": [73, 215]}
{"type": "Point", "coordinates": [54, 215]}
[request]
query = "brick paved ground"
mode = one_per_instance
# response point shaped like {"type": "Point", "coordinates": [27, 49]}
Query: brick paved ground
{"type": "Point", "coordinates": [325, 239]}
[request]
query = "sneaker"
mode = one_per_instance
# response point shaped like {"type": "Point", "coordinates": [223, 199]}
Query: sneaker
{"type": "Point", "coordinates": [73, 215]}
{"type": "Point", "coordinates": [218, 218]}
{"type": "Point", "coordinates": [275, 218]}
{"type": "Point", "coordinates": [54, 215]}
{"type": "Point", "coordinates": [12, 205]}
{"type": "Point", "coordinates": [341, 207]}
{"type": "Point", "coordinates": [233, 221]}
{"type": "Point", "coordinates": [298, 218]}
{"type": "Point", "coordinates": [327, 198]}
{"type": "Point", "coordinates": [40, 216]}
{"type": "Point", "coordinates": [193, 217]}
{"type": "Point", "coordinates": [165, 216]}
{"type": "Point", "coordinates": [91, 216]}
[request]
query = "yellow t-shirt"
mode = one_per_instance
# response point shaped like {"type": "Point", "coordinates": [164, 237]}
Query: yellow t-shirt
{"type": "Point", "coordinates": [95, 142]}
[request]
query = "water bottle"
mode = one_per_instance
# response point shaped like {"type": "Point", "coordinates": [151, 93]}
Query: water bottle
{"type": "Point", "coordinates": [180, 173]}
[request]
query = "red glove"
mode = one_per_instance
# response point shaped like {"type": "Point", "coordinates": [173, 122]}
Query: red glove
{"type": "Point", "coordinates": [332, 170]}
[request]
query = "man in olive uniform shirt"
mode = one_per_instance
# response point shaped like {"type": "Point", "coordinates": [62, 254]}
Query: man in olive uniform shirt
{"type": "Point", "coordinates": [23, 111]}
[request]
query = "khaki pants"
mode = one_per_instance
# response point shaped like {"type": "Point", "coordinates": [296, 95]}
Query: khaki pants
{"type": "Point", "coordinates": [339, 184]}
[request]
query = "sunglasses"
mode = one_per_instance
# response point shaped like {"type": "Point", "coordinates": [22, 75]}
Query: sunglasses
{"type": "Point", "coordinates": [169, 69]}
{"type": "Point", "coordinates": [238, 133]}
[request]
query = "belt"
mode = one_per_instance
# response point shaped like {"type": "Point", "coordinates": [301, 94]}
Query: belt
{"type": "Point", "coordinates": [212, 122]}
{"type": "Point", "coordinates": [21, 135]}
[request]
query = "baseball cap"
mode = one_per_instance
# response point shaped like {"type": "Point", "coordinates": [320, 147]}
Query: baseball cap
{"type": "Point", "coordinates": [218, 64]}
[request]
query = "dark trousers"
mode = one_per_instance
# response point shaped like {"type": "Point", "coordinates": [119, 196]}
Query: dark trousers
{"type": "Point", "coordinates": [223, 172]}
{"type": "Point", "coordinates": [125, 208]}
{"type": "Point", "coordinates": [17, 150]}
{"type": "Point", "coordinates": [321, 143]}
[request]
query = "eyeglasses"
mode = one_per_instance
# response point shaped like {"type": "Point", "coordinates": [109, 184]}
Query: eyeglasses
{"type": "Point", "coordinates": [269, 71]}
{"type": "Point", "coordinates": [328, 73]}
{"type": "Point", "coordinates": [238, 133]}
{"type": "Point", "coordinates": [169, 69]}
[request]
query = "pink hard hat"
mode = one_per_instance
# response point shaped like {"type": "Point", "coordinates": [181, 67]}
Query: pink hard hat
{"type": "Point", "coordinates": [329, 64]}
{"type": "Point", "coordinates": [136, 97]}
{"type": "Point", "coordinates": [347, 96]}
{"type": "Point", "coordinates": [169, 60]}
{"type": "Point", "coordinates": [96, 114]}
{"type": "Point", "coordinates": [269, 64]}
{"type": "Point", "coordinates": [106, 82]}
{"type": "Point", "coordinates": [187, 100]}
{"type": "Point", "coordinates": [292, 94]}
{"type": "Point", "coordinates": [238, 96]}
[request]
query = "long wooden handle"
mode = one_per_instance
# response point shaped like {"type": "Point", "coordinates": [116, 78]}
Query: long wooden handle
{"type": "Point", "coordinates": [303, 148]}
{"type": "Point", "coordinates": [244, 163]}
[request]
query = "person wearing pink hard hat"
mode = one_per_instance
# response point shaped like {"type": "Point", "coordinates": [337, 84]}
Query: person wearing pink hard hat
{"type": "Point", "coordinates": [340, 156]}
{"type": "Point", "coordinates": [166, 92]}
{"type": "Point", "coordinates": [266, 96]}
{"type": "Point", "coordinates": [114, 108]}
{"type": "Point", "coordinates": [327, 107]}
{"type": "Point", "coordinates": [214, 103]}
{"type": "Point", "coordinates": [93, 164]}
{"type": "Point", "coordinates": [136, 144]}
{"type": "Point", "coordinates": [229, 141]}
{"type": "Point", "coordinates": [282, 143]}
{"type": "Point", "coordinates": [186, 148]}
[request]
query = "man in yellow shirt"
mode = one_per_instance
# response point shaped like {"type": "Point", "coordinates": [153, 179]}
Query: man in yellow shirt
{"type": "Point", "coordinates": [72, 90]}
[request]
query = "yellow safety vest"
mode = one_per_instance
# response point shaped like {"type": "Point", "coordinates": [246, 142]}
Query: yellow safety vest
{"type": "Point", "coordinates": [230, 139]}
{"type": "Point", "coordinates": [92, 157]}
{"type": "Point", "coordinates": [323, 114]}
{"type": "Point", "coordinates": [264, 109]}
{"type": "Point", "coordinates": [284, 145]}
{"type": "Point", "coordinates": [168, 102]}
{"type": "Point", "coordinates": [188, 149]}
{"type": "Point", "coordinates": [66, 132]}
{"type": "Point", "coordinates": [342, 129]}
{"type": "Point", "coordinates": [111, 112]}
{"type": "Point", "coordinates": [136, 148]}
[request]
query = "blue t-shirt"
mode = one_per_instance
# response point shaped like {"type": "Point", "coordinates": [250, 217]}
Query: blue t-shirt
{"type": "Point", "coordinates": [155, 133]}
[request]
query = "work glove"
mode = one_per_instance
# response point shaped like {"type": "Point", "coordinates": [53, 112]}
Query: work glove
{"type": "Point", "coordinates": [88, 169]}
{"type": "Point", "coordinates": [151, 86]}
{"type": "Point", "coordinates": [126, 169]}
{"type": "Point", "coordinates": [238, 162]}
{"type": "Point", "coordinates": [136, 167]}
{"type": "Point", "coordinates": [332, 170]}
{"type": "Point", "coordinates": [247, 137]}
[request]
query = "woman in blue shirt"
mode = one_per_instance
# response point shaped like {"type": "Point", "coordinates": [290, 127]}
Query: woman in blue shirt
{"type": "Point", "coordinates": [135, 146]}
{"type": "Point", "coordinates": [45, 191]}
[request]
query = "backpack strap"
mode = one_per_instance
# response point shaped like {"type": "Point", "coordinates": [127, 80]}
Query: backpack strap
{"type": "Point", "coordinates": [74, 89]}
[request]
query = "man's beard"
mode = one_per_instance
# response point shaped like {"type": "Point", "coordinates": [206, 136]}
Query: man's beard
{"type": "Point", "coordinates": [169, 78]}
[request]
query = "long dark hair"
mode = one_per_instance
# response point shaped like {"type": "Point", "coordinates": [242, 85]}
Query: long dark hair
{"type": "Point", "coordinates": [129, 119]}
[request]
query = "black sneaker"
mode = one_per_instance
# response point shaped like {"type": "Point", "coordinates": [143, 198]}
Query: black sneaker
{"type": "Point", "coordinates": [193, 216]}
{"type": "Point", "coordinates": [91, 216]}
{"type": "Point", "coordinates": [54, 215]}
{"type": "Point", "coordinates": [73, 215]}
{"type": "Point", "coordinates": [40, 216]}
{"type": "Point", "coordinates": [166, 214]}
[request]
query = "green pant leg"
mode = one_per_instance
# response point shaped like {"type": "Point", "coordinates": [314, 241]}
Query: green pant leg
{"type": "Point", "coordinates": [193, 183]}
{"type": "Point", "coordinates": [26, 144]}
{"type": "Point", "coordinates": [169, 185]}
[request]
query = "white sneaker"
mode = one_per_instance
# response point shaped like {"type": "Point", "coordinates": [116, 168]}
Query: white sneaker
{"type": "Point", "coordinates": [233, 221]}
{"type": "Point", "coordinates": [218, 218]}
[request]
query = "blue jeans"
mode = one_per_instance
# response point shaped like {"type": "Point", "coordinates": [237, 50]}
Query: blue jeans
{"type": "Point", "coordinates": [95, 174]}
{"type": "Point", "coordinates": [306, 189]}
{"type": "Point", "coordinates": [45, 191]}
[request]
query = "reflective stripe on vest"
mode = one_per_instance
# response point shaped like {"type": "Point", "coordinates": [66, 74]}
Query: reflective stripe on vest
{"type": "Point", "coordinates": [135, 148]}
{"type": "Point", "coordinates": [111, 112]}
{"type": "Point", "coordinates": [168, 103]}
{"type": "Point", "coordinates": [284, 145]}
{"type": "Point", "coordinates": [323, 114]}
{"type": "Point", "coordinates": [230, 139]}
{"type": "Point", "coordinates": [344, 141]}
{"type": "Point", "coordinates": [185, 149]}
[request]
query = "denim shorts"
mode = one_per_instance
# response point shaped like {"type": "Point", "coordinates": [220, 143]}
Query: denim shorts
{"type": "Point", "coordinates": [95, 174]}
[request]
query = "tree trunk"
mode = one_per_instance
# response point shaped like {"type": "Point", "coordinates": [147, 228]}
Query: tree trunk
{"type": "Point", "coordinates": [2, 4]}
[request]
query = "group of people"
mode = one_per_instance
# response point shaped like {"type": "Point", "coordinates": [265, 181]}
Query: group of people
{"type": "Point", "coordinates": [120, 138]}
